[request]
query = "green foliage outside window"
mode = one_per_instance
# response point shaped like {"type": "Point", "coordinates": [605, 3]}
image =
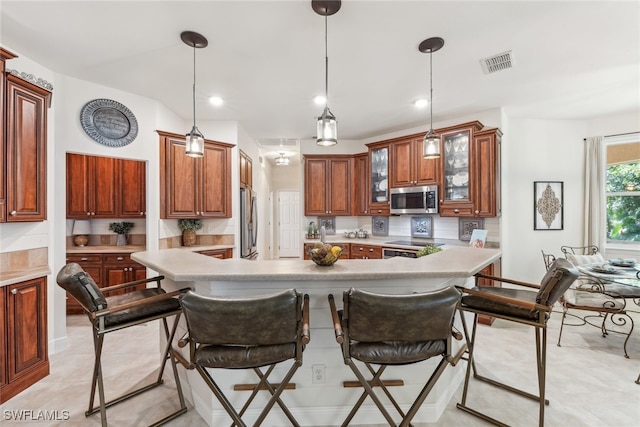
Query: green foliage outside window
{"type": "Point", "coordinates": [623, 202]}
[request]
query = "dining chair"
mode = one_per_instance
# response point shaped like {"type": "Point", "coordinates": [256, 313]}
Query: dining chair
{"type": "Point", "coordinates": [109, 314]}
{"type": "Point", "coordinates": [529, 307]}
{"type": "Point", "coordinates": [580, 250]}
{"type": "Point", "coordinates": [247, 333]}
{"type": "Point", "coordinates": [391, 330]}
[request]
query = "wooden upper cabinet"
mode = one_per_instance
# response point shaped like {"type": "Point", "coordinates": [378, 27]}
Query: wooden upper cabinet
{"type": "Point", "coordinates": [194, 187]}
{"type": "Point", "coordinates": [328, 185]}
{"type": "Point", "coordinates": [133, 199]}
{"type": "Point", "coordinates": [4, 55]}
{"type": "Point", "coordinates": [92, 187]}
{"type": "Point", "coordinates": [471, 163]}
{"type": "Point", "coordinates": [105, 187]}
{"type": "Point", "coordinates": [408, 167]}
{"type": "Point", "coordinates": [486, 173]}
{"type": "Point", "coordinates": [361, 183]}
{"type": "Point", "coordinates": [246, 170]}
{"type": "Point", "coordinates": [214, 192]}
{"type": "Point", "coordinates": [26, 150]}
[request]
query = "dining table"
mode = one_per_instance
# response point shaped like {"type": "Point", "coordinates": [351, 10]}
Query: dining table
{"type": "Point", "coordinates": [618, 279]}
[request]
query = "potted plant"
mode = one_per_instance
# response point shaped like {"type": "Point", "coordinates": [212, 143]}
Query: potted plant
{"type": "Point", "coordinates": [122, 229]}
{"type": "Point", "coordinates": [189, 228]}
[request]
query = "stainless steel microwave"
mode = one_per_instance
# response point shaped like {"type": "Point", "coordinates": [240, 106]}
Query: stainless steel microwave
{"type": "Point", "coordinates": [414, 200]}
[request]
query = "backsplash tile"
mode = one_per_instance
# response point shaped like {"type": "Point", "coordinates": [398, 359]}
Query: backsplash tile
{"type": "Point", "coordinates": [23, 260]}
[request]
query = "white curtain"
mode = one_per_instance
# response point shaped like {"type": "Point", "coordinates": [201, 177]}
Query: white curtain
{"type": "Point", "coordinates": [595, 206]}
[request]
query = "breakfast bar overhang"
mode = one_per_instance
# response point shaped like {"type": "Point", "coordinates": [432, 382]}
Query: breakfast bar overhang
{"type": "Point", "coordinates": [319, 400]}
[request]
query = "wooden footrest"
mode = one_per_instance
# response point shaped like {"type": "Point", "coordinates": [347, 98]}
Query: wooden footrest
{"type": "Point", "coordinates": [387, 383]}
{"type": "Point", "coordinates": [250, 387]}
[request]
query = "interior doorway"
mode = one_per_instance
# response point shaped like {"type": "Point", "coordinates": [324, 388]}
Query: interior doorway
{"type": "Point", "coordinates": [289, 229]}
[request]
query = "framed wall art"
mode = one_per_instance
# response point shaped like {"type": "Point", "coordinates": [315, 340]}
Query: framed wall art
{"type": "Point", "coordinates": [467, 225]}
{"type": "Point", "coordinates": [548, 205]}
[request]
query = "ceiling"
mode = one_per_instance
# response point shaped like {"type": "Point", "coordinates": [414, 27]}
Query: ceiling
{"type": "Point", "coordinates": [571, 60]}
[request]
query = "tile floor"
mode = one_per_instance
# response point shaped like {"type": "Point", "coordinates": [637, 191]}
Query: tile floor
{"type": "Point", "coordinates": [589, 382]}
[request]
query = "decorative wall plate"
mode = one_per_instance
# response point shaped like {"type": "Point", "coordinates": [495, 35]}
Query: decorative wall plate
{"type": "Point", "coordinates": [108, 122]}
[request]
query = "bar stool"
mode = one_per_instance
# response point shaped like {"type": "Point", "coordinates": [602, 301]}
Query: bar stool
{"type": "Point", "coordinates": [113, 313]}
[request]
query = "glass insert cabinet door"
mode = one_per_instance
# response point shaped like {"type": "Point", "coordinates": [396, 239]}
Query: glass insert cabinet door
{"type": "Point", "coordinates": [379, 169]}
{"type": "Point", "coordinates": [456, 167]}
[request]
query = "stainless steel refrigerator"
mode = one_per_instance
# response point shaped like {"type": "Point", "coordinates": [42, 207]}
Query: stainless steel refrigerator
{"type": "Point", "coordinates": [248, 224]}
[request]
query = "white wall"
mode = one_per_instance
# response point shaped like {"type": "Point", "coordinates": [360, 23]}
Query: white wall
{"type": "Point", "coordinates": [546, 150]}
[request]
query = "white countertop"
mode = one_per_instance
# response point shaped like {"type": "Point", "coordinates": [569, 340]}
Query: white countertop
{"type": "Point", "coordinates": [180, 265]}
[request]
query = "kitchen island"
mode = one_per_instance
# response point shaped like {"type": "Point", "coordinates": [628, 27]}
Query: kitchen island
{"type": "Point", "coordinates": [320, 399]}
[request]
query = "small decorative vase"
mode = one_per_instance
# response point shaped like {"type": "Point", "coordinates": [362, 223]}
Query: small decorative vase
{"type": "Point", "coordinates": [121, 240]}
{"type": "Point", "coordinates": [188, 238]}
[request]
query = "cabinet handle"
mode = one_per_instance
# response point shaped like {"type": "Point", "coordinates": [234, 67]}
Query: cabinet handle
{"type": "Point", "coordinates": [119, 258]}
{"type": "Point", "coordinates": [477, 212]}
{"type": "Point", "coordinates": [456, 211]}
{"type": "Point", "coordinates": [13, 213]}
{"type": "Point", "coordinates": [14, 291]}
{"type": "Point", "coordinates": [83, 259]}
{"type": "Point", "coordinates": [88, 213]}
{"type": "Point", "coordinates": [370, 250]}
{"type": "Point", "coordinates": [141, 213]}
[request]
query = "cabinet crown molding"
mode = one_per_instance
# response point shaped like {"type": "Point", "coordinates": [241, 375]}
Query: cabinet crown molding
{"type": "Point", "coordinates": [40, 82]}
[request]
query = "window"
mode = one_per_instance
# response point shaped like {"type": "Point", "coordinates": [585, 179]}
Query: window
{"type": "Point", "coordinates": [623, 191]}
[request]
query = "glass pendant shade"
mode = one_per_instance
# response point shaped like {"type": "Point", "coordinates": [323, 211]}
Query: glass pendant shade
{"type": "Point", "coordinates": [431, 141]}
{"type": "Point", "coordinates": [327, 131]}
{"type": "Point", "coordinates": [195, 143]}
{"type": "Point", "coordinates": [282, 160]}
{"type": "Point", "coordinates": [195, 140]}
{"type": "Point", "coordinates": [431, 146]}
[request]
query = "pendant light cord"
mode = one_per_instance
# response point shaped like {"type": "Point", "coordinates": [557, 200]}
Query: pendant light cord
{"type": "Point", "coordinates": [194, 84]}
{"type": "Point", "coordinates": [431, 89]}
{"type": "Point", "coordinates": [326, 65]}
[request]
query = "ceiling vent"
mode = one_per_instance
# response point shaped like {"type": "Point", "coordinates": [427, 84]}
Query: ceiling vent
{"type": "Point", "coordinates": [499, 62]}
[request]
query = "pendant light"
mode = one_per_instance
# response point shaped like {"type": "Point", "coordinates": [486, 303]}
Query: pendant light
{"type": "Point", "coordinates": [195, 139]}
{"type": "Point", "coordinates": [327, 126]}
{"type": "Point", "coordinates": [282, 160]}
{"type": "Point", "coordinates": [431, 141]}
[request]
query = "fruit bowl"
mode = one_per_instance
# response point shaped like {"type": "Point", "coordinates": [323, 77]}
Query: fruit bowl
{"type": "Point", "coordinates": [325, 254]}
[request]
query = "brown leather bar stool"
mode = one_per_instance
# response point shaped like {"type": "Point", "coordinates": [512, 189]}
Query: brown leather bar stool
{"type": "Point", "coordinates": [247, 333]}
{"type": "Point", "coordinates": [113, 313]}
{"type": "Point", "coordinates": [526, 307]}
{"type": "Point", "coordinates": [387, 330]}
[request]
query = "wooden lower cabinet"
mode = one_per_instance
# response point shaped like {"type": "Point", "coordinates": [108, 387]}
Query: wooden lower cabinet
{"type": "Point", "coordinates": [490, 270]}
{"type": "Point", "coordinates": [119, 268]}
{"type": "Point", "coordinates": [106, 270]}
{"type": "Point", "coordinates": [24, 357]}
{"type": "Point", "coordinates": [218, 253]}
{"type": "Point", "coordinates": [365, 251]}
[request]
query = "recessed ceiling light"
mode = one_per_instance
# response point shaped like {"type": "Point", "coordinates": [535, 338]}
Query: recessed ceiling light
{"type": "Point", "coordinates": [320, 99]}
{"type": "Point", "coordinates": [216, 100]}
{"type": "Point", "coordinates": [421, 103]}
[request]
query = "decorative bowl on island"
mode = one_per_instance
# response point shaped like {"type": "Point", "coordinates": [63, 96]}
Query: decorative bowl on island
{"type": "Point", "coordinates": [324, 254]}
